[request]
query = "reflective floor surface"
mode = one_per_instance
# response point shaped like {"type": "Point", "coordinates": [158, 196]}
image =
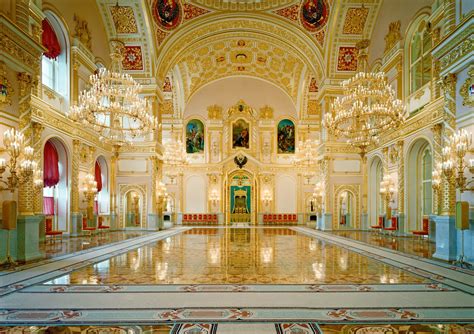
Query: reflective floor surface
{"type": "Point", "coordinates": [239, 256]}
{"type": "Point", "coordinates": [323, 329]}
{"type": "Point", "coordinates": [409, 245]}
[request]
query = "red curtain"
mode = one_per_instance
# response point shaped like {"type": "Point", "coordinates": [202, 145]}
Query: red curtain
{"type": "Point", "coordinates": [48, 206]}
{"type": "Point", "coordinates": [50, 41]}
{"type": "Point", "coordinates": [50, 165]}
{"type": "Point", "coordinates": [98, 176]}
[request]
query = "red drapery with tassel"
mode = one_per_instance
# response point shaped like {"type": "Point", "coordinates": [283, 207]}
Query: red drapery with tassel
{"type": "Point", "coordinates": [50, 41]}
{"type": "Point", "coordinates": [50, 165]}
{"type": "Point", "coordinates": [98, 176]}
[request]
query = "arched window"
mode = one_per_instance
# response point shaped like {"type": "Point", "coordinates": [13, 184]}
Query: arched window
{"type": "Point", "coordinates": [420, 57]}
{"type": "Point", "coordinates": [54, 63]}
{"type": "Point", "coordinates": [426, 199]}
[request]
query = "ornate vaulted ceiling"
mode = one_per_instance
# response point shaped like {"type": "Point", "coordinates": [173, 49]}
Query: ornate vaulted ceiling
{"type": "Point", "coordinates": [290, 43]}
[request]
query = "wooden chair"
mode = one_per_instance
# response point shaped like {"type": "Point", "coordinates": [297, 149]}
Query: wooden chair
{"type": "Point", "coordinates": [425, 230]}
{"type": "Point", "coordinates": [380, 225]}
{"type": "Point", "coordinates": [86, 228]}
{"type": "Point", "coordinates": [100, 224]}
{"type": "Point", "coordinates": [49, 228]}
{"type": "Point", "coordinates": [394, 226]}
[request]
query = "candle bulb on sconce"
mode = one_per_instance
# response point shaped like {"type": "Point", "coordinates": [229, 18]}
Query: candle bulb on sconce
{"type": "Point", "coordinates": [453, 165]}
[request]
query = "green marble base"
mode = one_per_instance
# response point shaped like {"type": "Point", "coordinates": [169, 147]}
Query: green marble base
{"type": "Point", "coordinates": [42, 229]}
{"type": "Point", "coordinates": [28, 237]}
{"type": "Point", "coordinates": [76, 224]}
{"type": "Point", "coordinates": [3, 245]}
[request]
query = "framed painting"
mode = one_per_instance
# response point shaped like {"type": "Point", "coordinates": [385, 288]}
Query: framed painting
{"type": "Point", "coordinates": [240, 134]}
{"type": "Point", "coordinates": [286, 137]}
{"type": "Point", "coordinates": [194, 136]}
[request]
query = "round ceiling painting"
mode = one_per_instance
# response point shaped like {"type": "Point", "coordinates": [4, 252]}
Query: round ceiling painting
{"type": "Point", "coordinates": [314, 14]}
{"type": "Point", "coordinates": [167, 13]}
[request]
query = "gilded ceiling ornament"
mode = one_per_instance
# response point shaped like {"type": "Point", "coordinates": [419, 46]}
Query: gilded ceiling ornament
{"type": "Point", "coordinates": [393, 35]}
{"type": "Point", "coordinates": [241, 108]}
{"type": "Point", "coordinates": [314, 108]}
{"type": "Point", "coordinates": [467, 89]}
{"type": "Point", "coordinates": [266, 112]}
{"type": "Point", "coordinates": [347, 58]}
{"type": "Point", "coordinates": [290, 12]}
{"type": "Point", "coordinates": [167, 13]}
{"type": "Point", "coordinates": [124, 19]}
{"type": "Point", "coordinates": [214, 112]}
{"type": "Point", "coordinates": [82, 32]}
{"type": "Point", "coordinates": [132, 58]}
{"type": "Point", "coordinates": [191, 11]}
{"type": "Point", "coordinates": [167, 107]}
{"type": "Point", "coordinates": [6, 89]}
{"type": "Point", "coordinates": [355, 20]}
{"type": "Point", "coordinates": [314, 14]}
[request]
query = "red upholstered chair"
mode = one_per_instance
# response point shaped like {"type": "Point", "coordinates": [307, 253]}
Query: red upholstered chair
{"type": "Point", "coordinates": [100, 224]}
{"type": "Point", "coordinates": [185, 217]}
{"type": "Point", "coordinates": [295, 218]}
{"type": "Point", "coordinates": [195, 217]}
{"type": "Point", "coordinates": [380, 225]}
{"type": "Point", "coordinates": [425, 230]}
{"type": "Point", "coordinates": [85, 227]}
{"type": "Point", "coordinates": [285, 217]}
{"type": "Point", "coordinates": [49, 228]}
{"type": "Point", "coordinates": [394, 225]}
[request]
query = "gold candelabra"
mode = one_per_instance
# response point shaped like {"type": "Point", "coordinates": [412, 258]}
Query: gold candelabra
{"type": "Point", "coordinates": [20, 163]}
{"type": "Point", "coordinates": [454, 165]}
{"type": "Point", "coordinates": [318, 195]}
{"type": "Point", "coordinates": [89, 188]}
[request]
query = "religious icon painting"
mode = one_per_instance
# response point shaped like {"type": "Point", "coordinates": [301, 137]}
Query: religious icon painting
{"type": "Point", "coordinates": [240, 134]}
{"type": "Point", "coordinates": [286, 137]}
{"type": "Point", "coordinates": [314, 14]}
{"type": "Point", "coordinates": [195, 136]}
{"type": "Point", "coordinates": [167, 13]}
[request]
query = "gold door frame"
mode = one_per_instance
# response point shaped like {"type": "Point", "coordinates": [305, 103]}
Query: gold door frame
{"type": "Point", "coordinates": [253, 195]}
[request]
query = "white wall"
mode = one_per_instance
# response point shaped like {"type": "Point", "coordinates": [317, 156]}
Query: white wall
{"type": "Point", "coordinates": [285, 193]}
{"type": "Point", "coordinates": [195, 194]}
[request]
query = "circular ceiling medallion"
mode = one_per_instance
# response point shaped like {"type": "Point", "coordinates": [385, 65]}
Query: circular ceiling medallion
{"type": "Point", "coordinates": [167, 13]}
{"type": "Point", "coordinates": [314, 14]}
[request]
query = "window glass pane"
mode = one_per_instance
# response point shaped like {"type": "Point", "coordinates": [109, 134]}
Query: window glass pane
{"type": "Point", "coordinates": [47, 72]}
{"type": "Point", "coordinates": [415, 48]}
{"type": "Point", "coordinates": [426, 69]}
{"type": "Point", "coordinates": [426, 42]}
{"type": "Point", "coordinates": [427, 198]}
{"type": "Point", "coordinates": [416, 76]}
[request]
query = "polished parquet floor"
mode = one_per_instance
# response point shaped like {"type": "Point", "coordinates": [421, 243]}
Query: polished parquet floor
{"type": "Point", "coordinates": [239, 256]}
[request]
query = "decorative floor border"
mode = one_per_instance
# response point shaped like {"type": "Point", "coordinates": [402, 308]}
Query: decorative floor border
{"type": "Point", "coordinates": [199, 315]}
{"type": "Point", "coordinates": [210, 288]}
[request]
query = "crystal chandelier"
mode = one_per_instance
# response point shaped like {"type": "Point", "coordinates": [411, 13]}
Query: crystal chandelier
{"type": "Point", "coordinates": [175, 152]}
{"type": "Point", "coordinates": [112, 106]}
{"type": "Point", "coordinates": [305, 156]}
{"type": "Point", "coordinates": [367, 109]}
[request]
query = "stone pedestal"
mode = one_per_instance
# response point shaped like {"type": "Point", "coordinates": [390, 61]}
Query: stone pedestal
{"type": "Point", "coordinates": [445, 238]}
{"type": "Point", "coordinates": [326, 222]}
{"type": "Point", "coordinates": [154, 222]}
{"type": "Point", "coordinates": [114, 222]}
{"type": "Point", "coordinates": [28, 238]}
{"type": "Point", "coordinates": [76, 224]}
{"type": "Point", "coordinates": [364, 222]}
{"type": "Point", "coordinates": [401, 224]}
{"type": "Point", "coordinates": [42, 229]}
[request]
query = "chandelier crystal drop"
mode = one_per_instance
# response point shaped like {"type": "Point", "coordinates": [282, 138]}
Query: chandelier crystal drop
{"type": "Point", "coordinates": [112, 106]}
{"type": "Point", "coordinates": [367, 109]}
{"type": "Point", "coordinates": [175, 152]}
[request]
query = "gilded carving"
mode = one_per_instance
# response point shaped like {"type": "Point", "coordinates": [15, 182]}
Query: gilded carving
{"type": "Point", "coordinates": [82, 32]}
{"type": "Point", "coordinates": [266, 112]}
{"type": "Point", "coordinates": [393, 35]}
{"type": "Point", "coordinates": [314, 107]}
{"type": "Point", "coordinates": [6, 89]}
{"type": "Point", "coordinates": [124, 19]}
{"type": "Point", "coordinates": [166, 107]}
{"type": "Point", "coordinates": [214, 112]}
{"type": "Point", "coordinates": [467, 89]}
{"type": "Point", "coordinates": [401, 177]}
{"type": "Point", "coordinates": [355, 20]}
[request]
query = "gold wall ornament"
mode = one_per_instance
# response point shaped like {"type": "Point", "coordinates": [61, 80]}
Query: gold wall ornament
{"type": "Point", "coordinates": [266, 112]}
{"type": "Point", "coordinates": [314, 108]}
{"type": "Point", "coordinates": [82, 32]}
{"type": "Point", "coordinates": [166, 107]}
{"type": "Point", "coordinates": [355, 20]}
{"type": "Point", "coordinates": [124, 19]}
{"type": "Point", "coordinates": [393, 35]}
{"type": "Point", "coordinates": [6, 89]}
{"type": "Point", "coordinates": [393, 154]}
{"type": "Point", "coordinates": [241, 108]}
{"type": "Point", "coordinates": [467, 89]}
{"type": "Point", "coordinates": [214, 112]}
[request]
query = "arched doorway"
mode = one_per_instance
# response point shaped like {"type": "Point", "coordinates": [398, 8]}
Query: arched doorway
{"type": "Point", "coordinates": [56, 183]}
{"type": "Point", "coordinates": [419, 190]}
{"type": "Point", "coordinates": [240, 198]}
